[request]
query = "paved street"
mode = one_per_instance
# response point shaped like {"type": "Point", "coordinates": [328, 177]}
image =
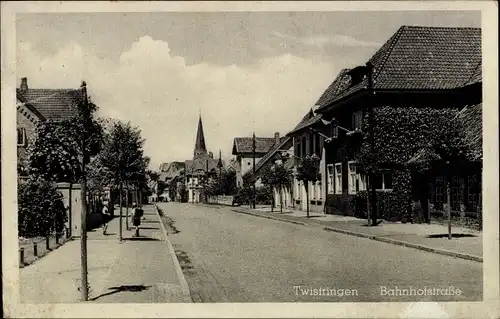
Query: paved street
{"type": "Point", "coordinates": [234, 257]}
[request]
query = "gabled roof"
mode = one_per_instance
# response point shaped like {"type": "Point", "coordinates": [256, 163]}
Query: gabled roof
{"type": "Point", "coordinates": [308, 120]}
{"type": "Point", "coordinates": [53, 104]}
{"type": "Point", "coordinates": [283, 142]}
{"type": "Point", "coordinates": [170, 170]}
{"type": "Point", "coordinates": [471, 119]}
{"type": "Point", "coordinates": [30, 107]}
{"type": "Point", "coordinates": [164, 167]}
{"type": "Point", "coordinates": [245, 145]}
{"type": "Point", "coordinates": [420, 58]}
{"type": "Point", "coordinates": [199, 166]}
{"type": "Point", "coordinates": [340, 83]}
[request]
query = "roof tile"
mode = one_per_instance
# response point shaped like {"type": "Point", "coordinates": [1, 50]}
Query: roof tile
{"type": "Point", "coordinates": [53, 104]}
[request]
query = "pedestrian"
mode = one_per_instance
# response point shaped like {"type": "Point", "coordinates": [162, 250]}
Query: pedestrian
{"type": "Point", "coordinates": [106, 217]}
{"type": "Point", "coordinates": [138, 212]}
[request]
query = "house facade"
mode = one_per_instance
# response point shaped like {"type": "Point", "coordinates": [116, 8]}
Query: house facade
{"type": "Point", "coordinates": [244, 154]}
{"type": "Point", "coordinates": [170, 172]}
{"type": "Point", "coordinates": [404, 94]}
{"type": "Point", "coordinates": [465, 176]}
{"type": "Point", "coordinates": [308, 140]}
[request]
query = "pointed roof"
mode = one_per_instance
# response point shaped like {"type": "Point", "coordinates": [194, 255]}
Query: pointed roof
{"type": "Point", "coordinates": [200, 148]}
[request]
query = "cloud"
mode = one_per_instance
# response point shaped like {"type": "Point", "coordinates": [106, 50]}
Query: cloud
{"type": "Point", "coordinates": [162, 95]}
{"type": "Point", "coordinates": [324, 40]}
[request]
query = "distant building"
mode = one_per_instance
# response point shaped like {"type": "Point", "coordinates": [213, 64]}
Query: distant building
{"type": "Point", "coordinates": [170, 172]}
{"type": "Point", "coordinates": [243, 151]}
{"type": "Point", "coordinates": [200, 169]}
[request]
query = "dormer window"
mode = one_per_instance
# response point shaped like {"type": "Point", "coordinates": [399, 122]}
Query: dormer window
{"type": "Point", "coordinates": [358, 74]}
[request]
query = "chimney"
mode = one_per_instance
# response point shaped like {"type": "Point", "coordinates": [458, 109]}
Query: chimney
{"type": "Point", "coordinates": [24, 84]}
{"type": "Point", "coordinates": [211, 155]}
{"type": "Point", "coordinates": [276, 138]}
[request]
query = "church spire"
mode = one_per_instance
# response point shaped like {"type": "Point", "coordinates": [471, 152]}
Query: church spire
{"type": "Point", "coordinates": [200, 148]}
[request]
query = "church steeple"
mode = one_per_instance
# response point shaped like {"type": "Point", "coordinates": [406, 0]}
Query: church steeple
{"type": "Point", "coordinates": [200, 148]}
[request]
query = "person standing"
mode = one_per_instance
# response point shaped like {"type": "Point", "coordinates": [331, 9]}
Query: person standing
{"type": "Point", "coordinates": [106, 217]}
{"type": "Point", "coordinates": [138, 212]}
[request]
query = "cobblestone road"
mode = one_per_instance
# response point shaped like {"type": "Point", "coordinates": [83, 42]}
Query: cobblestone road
{"type": "Point", "coordinates": [232, 257]}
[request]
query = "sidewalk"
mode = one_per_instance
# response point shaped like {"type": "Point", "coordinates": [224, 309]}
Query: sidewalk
{"type": "Point", "coordinates": [466, 243]}
{"type": "Point", "coordinates": [138, 270]}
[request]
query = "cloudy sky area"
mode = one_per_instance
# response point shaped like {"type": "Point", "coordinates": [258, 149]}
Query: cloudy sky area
{"type": "Point", "coordinates": [246, 72]}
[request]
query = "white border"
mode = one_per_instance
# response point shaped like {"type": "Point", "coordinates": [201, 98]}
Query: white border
{"type": "Point", "coordinates": [487, 309]}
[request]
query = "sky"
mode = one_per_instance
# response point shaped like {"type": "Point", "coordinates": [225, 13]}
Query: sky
{"type": "Point", "coordinates": [244, 72]}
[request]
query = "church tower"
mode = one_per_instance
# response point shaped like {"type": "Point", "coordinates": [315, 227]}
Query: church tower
{"type": "Point", "coordinates": [200, 149]}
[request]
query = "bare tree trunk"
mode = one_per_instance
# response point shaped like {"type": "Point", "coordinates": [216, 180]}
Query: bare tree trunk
{"type": "Point", "coordinates": [448, 207]}
{"type": "Point", "coordinates": [272, 199]}
{"type": "Point", "coordinates": [281, 200]}
{"type": "Point", "coordinates": [83, 238]}
{"type": "Point", "coordinates": [307, 198]}
{"type": "Point", "coordinates": [121, 212]}
{"type": "Point", "coordinates": [126, 207]}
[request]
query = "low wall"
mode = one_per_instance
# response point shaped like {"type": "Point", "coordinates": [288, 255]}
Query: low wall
{"type": "Point", "coordinates": [221, 200]}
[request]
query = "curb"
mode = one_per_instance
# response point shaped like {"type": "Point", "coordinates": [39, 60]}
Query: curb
{"type": "Point", "coordinates": [407, 244]}
{"type": "Point", "coordinates": [184, 286]}
{"type": "Point", "coordinates": [438, 251]}
{"type": "Point", "coordinates": [270, 217]}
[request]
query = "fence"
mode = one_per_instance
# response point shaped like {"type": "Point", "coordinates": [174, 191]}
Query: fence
{"type": "Point", "coordinates": [31, 249]}
{"type": "Point", "coordinates": [221, 200]}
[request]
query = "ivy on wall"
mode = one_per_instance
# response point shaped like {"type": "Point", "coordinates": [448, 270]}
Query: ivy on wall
{"type": "Point", "coordinates": [399, 133]}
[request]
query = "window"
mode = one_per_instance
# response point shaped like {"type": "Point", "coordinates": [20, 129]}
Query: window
{"type": "Point", "coordinates": [317, 149]}
{"type": "Point", "coordinates": [329, 169]}
{"type": "Point", "coordinates": [318, 190]}
{"type": "Point", "coordinates": [338, 178]}
{"type": "Point", "coordinates": [357, 120]}
{"type": "Point", "coordinates": [296, 148]}
{"type": "Point", "coordinates": [334, 130]}
{"type": "Point", "coordinates": [311, 144]}
{"type": "Point", "coordinates": [21, 137]}
{"type": "Point", "coordinates": [457, 191]}
{"type": "Point", "coordinates": [383, 181]}
{"type": "Point", "coordinates": [353, 178]}
{"type": "Point", "coordinates": [440, 189]}
{"type": "Point", "coordinates": [472, 192]}
{"type": "Point", "coordinates": [297, 189]}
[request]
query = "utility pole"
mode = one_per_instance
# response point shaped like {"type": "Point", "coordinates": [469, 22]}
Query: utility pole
{"type": "Point", "coordinates": [253, 179]}
{"type": "Point", "coordinates": [83, 226]}
{"type": "Point", "coordinates": [373, 192]}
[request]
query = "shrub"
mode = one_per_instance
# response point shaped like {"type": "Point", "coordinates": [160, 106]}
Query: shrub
{"type": "Point", "coordinates": [41, 209]}
{"type": "Point", "coordinates": [264, 195]}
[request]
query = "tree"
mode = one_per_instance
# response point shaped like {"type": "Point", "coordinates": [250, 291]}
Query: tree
{"type": "Point", "coordinates": [41, 209]}
{"type": "Point", "coordinates": [124, 160]}
{"type": "Point", "coordinates": [54, 154]}
{"type": "Point", "coordinates": [249, 190]}
{"type": "Point", "coordinates": [227, 183]}
{"type": "Point", "coordinates": [448, 148]}
{"type": "Point", "coordinates": [278, 177]}
{"type": "Point", "coordinates": [308, 172]}
{"type": "Point", "coordinates": [61, 152]}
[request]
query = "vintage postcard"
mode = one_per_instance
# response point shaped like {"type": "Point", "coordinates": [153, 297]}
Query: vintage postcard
{"type": "Point", "coordinates": [250, 159]}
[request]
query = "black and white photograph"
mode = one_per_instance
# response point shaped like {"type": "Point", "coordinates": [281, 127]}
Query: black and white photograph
{"type": "Point", "coordinates": [258, 157]}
